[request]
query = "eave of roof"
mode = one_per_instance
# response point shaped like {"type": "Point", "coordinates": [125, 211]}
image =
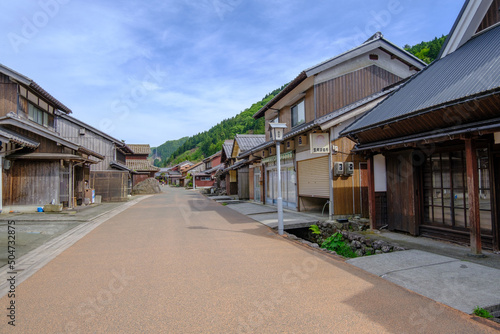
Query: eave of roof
{"type": "Point", "coordinates": [12, 119]}
{"type": "Point", "coordinates": [85, 150]}
{"type": "Point", "coordinates": [376, 41]}
{"type": "Point", "coordinates": [22, 79]}
{"type": "Point", "coordinates": [52, 156]}
{"type": "Point", "coordinates": [91, 128]}
{"type": "Point", "coordinates": [11, 136]}
{"type": "Point", "coordinates": [433, 135]}
{"type": "Point", "coordinates": [294, 83]}
{"type": "Point", "coordinates": [119, 166]}
{"type": "Point", "coordinates": [216, 154]}
{"type": "Point", "coordinates": [472, 71]}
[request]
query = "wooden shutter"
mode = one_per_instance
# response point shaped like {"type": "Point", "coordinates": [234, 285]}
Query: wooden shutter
{"type": "Point", "coordinates": [313, 178]}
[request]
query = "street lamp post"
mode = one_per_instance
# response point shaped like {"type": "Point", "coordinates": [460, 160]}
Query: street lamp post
{"type": "Point", "coordinates": [277, 130]}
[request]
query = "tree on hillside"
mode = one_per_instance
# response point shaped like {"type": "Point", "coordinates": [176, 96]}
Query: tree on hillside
{"type": "Point", "coordinates": [427, 51]}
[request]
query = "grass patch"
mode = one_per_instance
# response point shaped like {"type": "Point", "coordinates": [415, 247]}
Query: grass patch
{"type": "Point", "coordinates": [481, 312]}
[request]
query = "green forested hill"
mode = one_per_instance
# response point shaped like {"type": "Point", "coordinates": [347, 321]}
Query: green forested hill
{"type": "Point", "coordinates": [427, 51]}
{"type": "Point", "coordinates": [206, 143]}
{"type": "Point", "coordinates": [165, 150]}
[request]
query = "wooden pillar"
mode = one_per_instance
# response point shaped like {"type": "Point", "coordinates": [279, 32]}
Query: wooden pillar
{"type": "Point", "coordinates": [371, 193]}
{"type": "Point", "coordinates": [473, 192]}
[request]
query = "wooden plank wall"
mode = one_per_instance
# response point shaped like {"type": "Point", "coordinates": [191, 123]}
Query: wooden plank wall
{"type": "Point", "coordinates": [492, 16]}
{"type": "Point", "coordinates": [90, 140]}
{"type": "Point", "coordinates": [8, 95]}
{"type": "Point", "coordinates": [251, 183]}
{"type": "Point", "coordinates": [243, 183]}
{"type": "Point", "coordinates": [401, 189]}
{"type": "Point", "coordinates": [347, 189]}
{"type": "Point", "coordinates": [31, 183]}
{"type": "Point", "coordinates": [349, 88]}
{"type": "Point", "coordinates": [286, 113]}
{"type": "Point", "coordinates": [46, 145]}
{"type": "Point", "coordinates": [111, 185]}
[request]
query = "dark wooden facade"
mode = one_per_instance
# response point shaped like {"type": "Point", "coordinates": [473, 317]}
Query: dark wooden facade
{"type": "Point", "coordinates": [492, 16]}
{"type": "Point", "coordinates": [351, 87]}
{"type": "Point", "coordinates": [331, 91]}
{"type": "Point", "coordinates": [49, 168]}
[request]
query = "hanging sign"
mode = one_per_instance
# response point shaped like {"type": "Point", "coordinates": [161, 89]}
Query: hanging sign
{"type": "Point", "coordinates": [319, 143]}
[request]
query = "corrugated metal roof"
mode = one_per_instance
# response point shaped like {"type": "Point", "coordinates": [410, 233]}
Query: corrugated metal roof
{"type": "Point", "coordinates": [471, 70]}
{"type": "Point", "coordinates": [18, 139]}
{"type": "Point", "coordinates": [140, 148]}
{"type": "Point", "coordinates": [247, 142]}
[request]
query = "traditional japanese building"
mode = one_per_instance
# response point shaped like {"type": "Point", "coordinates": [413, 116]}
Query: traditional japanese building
{"type": "Point", "coordinates": [433, 146]}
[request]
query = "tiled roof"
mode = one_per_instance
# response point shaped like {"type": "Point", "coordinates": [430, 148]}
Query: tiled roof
{"type": "Point", "coordinates": [213, 156]}
{"type": "Point", "coordinates": [471, 70]}
{"type": "Point", "coordinates": [192, 167]}
{"type": "Point", "coordinates": [140, 148]}
{"type": "Point", "coordinates": [247, 142]}
{"type": "Point", "coordinates": [117, 165]}
{"type": "Point", "coordinates": [34, 86]}
{"type": "Point", "coordinates": [228, 147]}
{"type": "Point", "coordinates": [18, 139]}
{"type": "Point", "coordinates": [141, 165]}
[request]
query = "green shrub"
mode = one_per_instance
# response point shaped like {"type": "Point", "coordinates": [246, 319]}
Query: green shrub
{"type": "Point", "coordinates": [337, 244]}
{"type": "Point", "coordinates": [315, 229]}
{"type": "Point", "coordinates": [481, 312]}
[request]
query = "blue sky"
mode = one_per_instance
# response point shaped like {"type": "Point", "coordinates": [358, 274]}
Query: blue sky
{"type": "Point", "coordinates": [151, 71]}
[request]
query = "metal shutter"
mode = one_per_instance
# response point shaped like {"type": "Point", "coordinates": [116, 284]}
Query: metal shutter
{"type": "Point", "coordinates": [313, 178]}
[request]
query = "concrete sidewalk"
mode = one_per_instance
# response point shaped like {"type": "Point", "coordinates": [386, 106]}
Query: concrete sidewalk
{"type": "Point", "coordinates": [267, 215]}
{"type": "Point", "coordinates": [39, 237]}
{"type": "Point", "coordinates": [436, 269]}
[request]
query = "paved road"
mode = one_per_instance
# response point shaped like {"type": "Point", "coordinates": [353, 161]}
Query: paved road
{"type": "Point", "coordinates": [179, 263]}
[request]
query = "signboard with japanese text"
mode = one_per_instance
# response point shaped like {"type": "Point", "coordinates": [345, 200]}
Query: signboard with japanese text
{"type": "Point", "coordinates": [319, 143]}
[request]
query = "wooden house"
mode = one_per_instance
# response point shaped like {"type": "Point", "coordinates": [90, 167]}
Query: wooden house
{"type": "Point", "coordinates": [242, 171]}
{"type": "Point", "coordinates": [318, 168]}
{"type": "Point", "coordinates": [222, 176]}
{"type": "Point", "coordinates": [206, 178]}
{"type": "Point", "coordinates": [110, 178]}
{"type": "Point", "coordinates": [138, 162]}
{"type": "Point", "coordinates": [190, 171]}
{"type": "Point", "coordinates": [38, 165]}
{"type": "Point", "coordinates": [173, 175]}
{"type": "Point", "coordinates": [433, 146]}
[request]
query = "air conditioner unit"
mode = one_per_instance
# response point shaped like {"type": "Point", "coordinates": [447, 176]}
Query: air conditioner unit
{"type": "Point", "coordinates": [348, 168]}
{"type": "Point", "coordinates": [338, 169]}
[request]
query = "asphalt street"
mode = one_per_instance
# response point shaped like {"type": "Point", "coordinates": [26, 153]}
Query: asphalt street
{"type": "Point", "coordinates": [180, 263]}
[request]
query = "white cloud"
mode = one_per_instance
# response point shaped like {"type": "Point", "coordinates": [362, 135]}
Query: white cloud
{"type": "Point", "coordinates": [212, 58]}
